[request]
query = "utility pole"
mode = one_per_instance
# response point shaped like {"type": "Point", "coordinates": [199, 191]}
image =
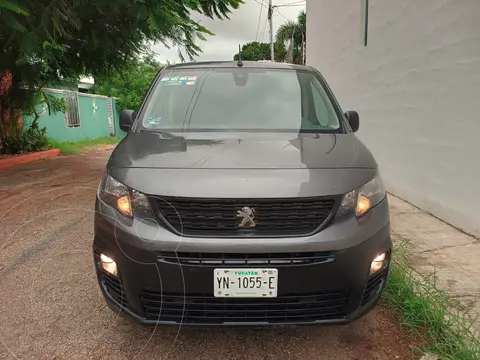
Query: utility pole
{"type": "Point", "coordinates": [270, 18]}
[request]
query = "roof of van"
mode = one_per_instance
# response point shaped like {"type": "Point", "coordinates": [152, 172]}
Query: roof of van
{"type": "Point", "coordinates": [246, 64]}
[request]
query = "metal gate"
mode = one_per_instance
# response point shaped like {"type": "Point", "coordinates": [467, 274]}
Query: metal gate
{"type": "Point", "coordinates": [72, 115]}
{"type": "Point", "coordinates": [110, 117]}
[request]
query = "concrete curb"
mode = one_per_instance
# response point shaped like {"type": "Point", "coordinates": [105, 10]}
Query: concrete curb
{"type": "Point", "coordinates": [27, 158]}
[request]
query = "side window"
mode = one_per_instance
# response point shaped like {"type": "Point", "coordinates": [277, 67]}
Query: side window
{"type": "Point", "coordinates": [321, 108]}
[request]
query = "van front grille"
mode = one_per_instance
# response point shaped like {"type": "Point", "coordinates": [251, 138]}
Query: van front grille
{"type": "Point", "coordinates": [245, 259]}
{"type": "Point", "coordinates": [373, 286]}
{"type": "Point", "coordinates": [224, 217]}
{"type": "Point", "coordinates": [115, 289]}
{"type": "Point", "coordinates": [206, 309]}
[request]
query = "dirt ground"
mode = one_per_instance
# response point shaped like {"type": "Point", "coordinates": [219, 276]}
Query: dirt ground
{"type": "Point", "coordinates": [51, 307]}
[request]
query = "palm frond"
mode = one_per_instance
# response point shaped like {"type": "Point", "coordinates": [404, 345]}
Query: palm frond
{"type": "Point", "coordinates": [13, 23]}
{"type": "Point", "coordinates": [285, 31]}
{"type": "Point", "coordinates": [13, 7]}
{"type": "Point", "coordinates": [292, 34]}
{"type": "Point", "coordinates": [215, 8]}
{"type": "Point", "coordinates": [302, 20]}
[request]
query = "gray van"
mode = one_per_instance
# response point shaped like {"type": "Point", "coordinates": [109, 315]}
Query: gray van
{"type": "Point", "coordinates": [241, 196]}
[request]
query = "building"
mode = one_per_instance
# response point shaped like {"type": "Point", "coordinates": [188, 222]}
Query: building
{"type": "Point", "coordinates": [411, 68]}
{"type": "Point", "coordinates": [85, 83]}
{"type": "Point", "coordinates": [88, 116]}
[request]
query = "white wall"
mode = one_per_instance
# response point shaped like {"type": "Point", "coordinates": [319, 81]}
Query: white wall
{"type": "Point", "coordinates": [416, 87]}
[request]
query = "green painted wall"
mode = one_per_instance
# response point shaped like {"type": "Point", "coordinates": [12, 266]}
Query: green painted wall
{"type": "Point", "coordinates": [93, 120]}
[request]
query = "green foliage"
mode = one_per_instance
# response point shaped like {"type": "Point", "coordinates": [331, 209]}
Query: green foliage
{"type": "Point", "coordinates": [302, 20]}
{"type": "Point", "coordinates": [254, 51]}
{"type": "Point", "coordinates": [429, 311]}
{"type": "Point", "coordinates": [76, 147]}
{"type": "Point", "coordinates": [130, 84]}
{"type": "Point", "coordinates": [55, 104]}
{"type": "Point", "coordinates": [9, 12]}
{"type": "Point", "coordinates": [32, 139]}
{"type": "Point", "coordinates": [42, 101]}
{"type": "Point", "coordinates": [293, 29]}
{"type": "Point", "coordinates": [45, 41]}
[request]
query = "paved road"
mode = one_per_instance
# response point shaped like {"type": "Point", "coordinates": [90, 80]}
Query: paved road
{"type": "Point", "coordinates": [51, 308]}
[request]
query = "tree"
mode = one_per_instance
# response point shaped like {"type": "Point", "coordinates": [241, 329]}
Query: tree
{"type": "Point", "coordinates": [254, 51]}
{"type": "Point", "coordinates": [46, 102]}
{"type": "Point", "coordinates": [8, 9]}
{"type": "Point", "coordinates": [297, 31]}
{"type": "Point", "coordinates": [45, 41]}
{"type": "Point", "coordinates": [130, 84]}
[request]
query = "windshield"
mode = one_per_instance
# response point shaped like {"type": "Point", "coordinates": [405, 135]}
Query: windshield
{"type": "Point", "coordinates": [239, 99]}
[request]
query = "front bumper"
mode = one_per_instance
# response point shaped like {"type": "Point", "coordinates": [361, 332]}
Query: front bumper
{"type": "Point", "coordinates": [154, 288]}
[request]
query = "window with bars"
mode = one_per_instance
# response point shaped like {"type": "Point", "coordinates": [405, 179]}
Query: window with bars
{"type": "Point", "coordinates": [72, 115]}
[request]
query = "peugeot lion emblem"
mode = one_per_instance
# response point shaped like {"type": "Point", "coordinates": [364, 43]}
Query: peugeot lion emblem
{"type": "Point", "coordinates": [248, 217]}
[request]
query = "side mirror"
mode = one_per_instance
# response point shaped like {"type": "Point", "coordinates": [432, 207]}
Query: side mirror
{"type": "Point", "coordinates": [126, 119]}
{"type": "Point", "coordinates": [353, 120]}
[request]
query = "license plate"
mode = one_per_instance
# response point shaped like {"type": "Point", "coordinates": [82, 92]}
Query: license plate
{"type": "Point", "coordinates": [261, 283]}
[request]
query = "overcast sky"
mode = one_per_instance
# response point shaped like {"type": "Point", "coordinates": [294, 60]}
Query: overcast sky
{"type": "Point", "coordinates": [240, 29]}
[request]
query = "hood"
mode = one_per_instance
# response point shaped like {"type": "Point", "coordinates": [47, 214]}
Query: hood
{"type": "Point", "coordinates": [241, 151]}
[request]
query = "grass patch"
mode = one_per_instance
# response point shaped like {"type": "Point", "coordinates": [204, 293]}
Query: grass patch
{"type": "Point", "coordinates": [429, 312]}
{"type": "Point", "coordinates": [76, 147]}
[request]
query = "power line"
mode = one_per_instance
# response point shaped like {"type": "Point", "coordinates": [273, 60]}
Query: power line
{"type": "Point", "coordinates": [279, 13]}
{"type": "Point", "coordinates": [264, 28]}
{"type": "Point", "coordinates": [261, 4]}
{"type": "Point", "coordinates": [271, 8]}
{"type": "Point", "coordinates": [259, 19]}
{"type": "Point", "coordinates": [291, 5]}
{"type": "Point", "coordinates": [296, 3]}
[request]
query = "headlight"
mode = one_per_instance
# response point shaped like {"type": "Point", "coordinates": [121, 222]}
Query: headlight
{"type": "Point", "coordinates": [116, 194]}
{"type": "Point", "coordinates": [361, 200]}
{"type": "Point", "coordinates": [127, 201]}
{"type": "Point", "coordinates": [141, 206]}
{"type": "Point", "coordinates": [370, 195]}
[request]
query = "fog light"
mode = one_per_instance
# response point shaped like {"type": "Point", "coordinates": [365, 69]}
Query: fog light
{"type": "Point", "coordinates": [108, 265]}
{"type": "Point", "coordinates": [377, 263]}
